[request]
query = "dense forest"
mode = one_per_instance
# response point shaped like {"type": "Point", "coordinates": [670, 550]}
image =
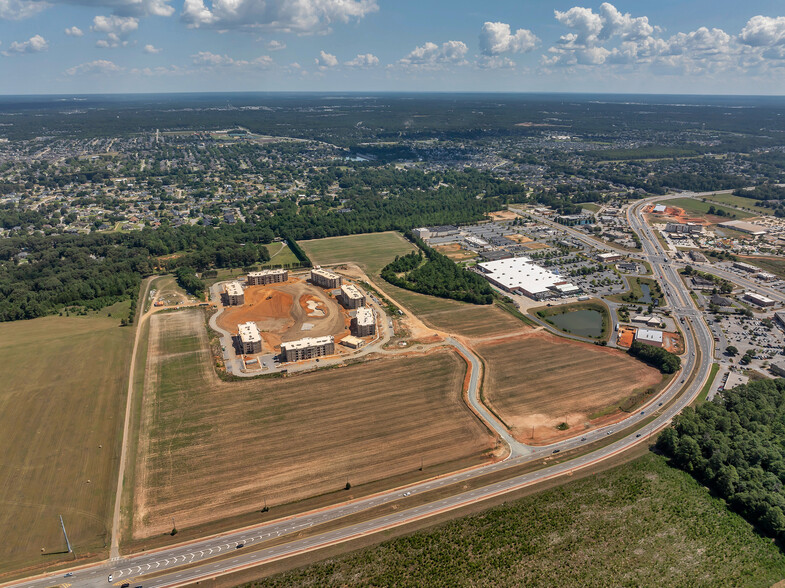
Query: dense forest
{"type": "Point", "coordinates": [438, 276]}
{"type": "Point", "coordinates": [736, 446]}
{"type": "Point", "coordinates": [662, 359]}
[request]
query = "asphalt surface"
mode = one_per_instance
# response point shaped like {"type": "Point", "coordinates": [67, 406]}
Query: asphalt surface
{"type": "Point", "coordinates": [169, 561]}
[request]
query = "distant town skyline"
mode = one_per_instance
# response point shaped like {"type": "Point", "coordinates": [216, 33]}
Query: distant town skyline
{"type": "Point", "coordinates": [108, 46]}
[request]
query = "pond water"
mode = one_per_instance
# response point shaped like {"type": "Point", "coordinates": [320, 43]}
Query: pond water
{"type": "Point", "coordinates": [585, 323]}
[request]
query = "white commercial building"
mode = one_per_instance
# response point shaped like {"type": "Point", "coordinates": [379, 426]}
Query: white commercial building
{"type": "Point", "coordinates": [649, 337]}
{"type": "Point", "coordinates": [520, 276]}
{"type": "Point", "coordinates": [758, 299]}
{"type": "Point", "coordinates": [250, 338]}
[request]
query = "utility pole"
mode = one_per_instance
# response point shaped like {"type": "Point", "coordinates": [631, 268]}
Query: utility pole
{"type": "Point", "coordinates": [67, 542]}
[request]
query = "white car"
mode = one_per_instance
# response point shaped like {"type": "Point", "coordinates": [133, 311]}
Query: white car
{"type": "Point", "coordinates": [111, 577]}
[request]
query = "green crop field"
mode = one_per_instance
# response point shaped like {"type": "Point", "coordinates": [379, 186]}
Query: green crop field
{"type": "Point", "coordinates": [372, 251]}
{"type": "Point", "coordinates": [640, 524]}
{"type": "Point", "coordinates": [774, 265]}
{"type": "Point", "coordinates": [697, 207]}
{"type": "Point", "coordinates": [741, 202]}
{"type": "Point", "coordinates": [61, 417]}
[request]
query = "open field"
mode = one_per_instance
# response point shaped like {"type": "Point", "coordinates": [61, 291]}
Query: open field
{"type": "Point", "coordinates": [636, 292]}
{"type": "Point", "coordinates": [590, 207]}
{"type": "Point", "coordinates": [281, 310]}
{"type": "Point", "coordinates": [460, 318]}
{"type": "Point", "coordinates": [548, 312]}
{"type": "Point", "coordinates": [61, 415]}
{"type": "Point", "coordinates": [774, 265]}
{"type": "Point", "coordinates": [537, 381]}
{"type": "Point", "coordinates": [455, 252]}
{"type": "Point", "coordinates": [211, 449]}
{"type": "Point", "coordinates": [371, 251]}
{"type": "Point", "coordinates": [741, 202]}
{"type": "Point", "coordinates": [639, 524]}
{"type": "Point", "coordinates": [280, 254]}
{"type": "Point", "coordinates": [696, 207]}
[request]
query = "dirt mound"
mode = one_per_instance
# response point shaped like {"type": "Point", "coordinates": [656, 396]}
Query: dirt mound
{"type": "Point", "coordinates": [270, 308]}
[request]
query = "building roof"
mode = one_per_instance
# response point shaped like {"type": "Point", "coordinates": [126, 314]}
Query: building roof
{"type": "Point", "coordinates": [649, 335]}
{"type": "Point", "coordinates": [520, 272]}
{"type": "Point", "coordinates": [659, 208]}
{"type": "Point", "coordinates": [758, 297]}
{"type": "Point", "coordinates": [745, 227]}
{"type": "Point", "coordinates": [351, 291]}
{"type": "Point", "coordinates": [353, 341]}
{"type": "Point", "coordinates": [364, 316]}
{"type": "Point", "coordinates": [307, 342]}
{"type": "Point", "coordinates": [267, 272]}
{"type": "Point", "coordinates": [249, 332]}
{"type": "Point", "coordinates": [325, 273]}
{"type": "Point", "coordinates": [234, 289]}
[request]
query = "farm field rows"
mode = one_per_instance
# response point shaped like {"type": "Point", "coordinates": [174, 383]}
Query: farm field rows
{"type": "Point", "coordinates": [640, 524]}
{"type": "Point", "coordinates": [61, 413]}
{"type": "Point", "coordinates": [537, 381]}
{"type": "Point", "coordinates": [211, 449]}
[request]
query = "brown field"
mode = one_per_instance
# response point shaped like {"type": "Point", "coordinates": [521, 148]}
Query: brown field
{"type": "Point", "coordinates": [455, 252]}
{"type": "Point", "coordinates": [211, 449]}
{"type": "Point", "coordinates": [537, 381]}
{"type": "Point", "coordinates": [61, 419]}
{"type": "Point", "coordinates": [535, 245]}
{"type": "Point", "coordinates": [273, 309]}
{"type": "Point", "coordinates": [673, 343]}
{"type": "Point", "coordinates": [503, 215]}
{"type": "Point", "coordinates": [518, 238]}
{"type": "Point", "coordinates": [626, 336]}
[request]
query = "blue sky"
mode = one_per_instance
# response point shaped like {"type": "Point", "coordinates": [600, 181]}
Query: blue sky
{"type": "Point", "coordinates": [667, 46]}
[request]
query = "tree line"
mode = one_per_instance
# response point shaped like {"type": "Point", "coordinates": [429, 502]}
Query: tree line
{"type": "Point", "coordinates": [438, 276]}
{"type": "Point", "coordinates": [735, 445]}
{"type": "Point", "coordinates": [662, 359]}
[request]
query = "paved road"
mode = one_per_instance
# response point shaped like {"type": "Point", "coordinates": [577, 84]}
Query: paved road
{"type": "Point", "coordinates": [202, 553]}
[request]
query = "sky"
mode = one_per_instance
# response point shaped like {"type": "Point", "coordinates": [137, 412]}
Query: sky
{"type": "Point", "coordinates": [642, 46]}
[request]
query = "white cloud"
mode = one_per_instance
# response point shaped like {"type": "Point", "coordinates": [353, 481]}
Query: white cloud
{"type": "Point", "coordinates": [275, 45]}
{"type": "Point", "coordinates": [74, 32]}
{"type": "Point", "coordinates": [326, 60]}
{"type": "Point", "coordinates": [433, 56]}
{"type": "Point", "coordinates": [152, 49]}
{"type": "Point", "coordinates": [624, 25]}
{"type": "Point", "coordinates": [363, 60]}
{"type": "Point", "coordinates": [495, 62]}
{"type": "Point", "coordinates": [583, 21]}
{"type": "Point", "coordinates": [34, 44]}
{"type": "Point", "coordinates": [97, 67]}
{"type": "Point", "coordinates": [214, 61]}
{"type": "Point", "coordinates": [496, 38]}
{"type": "Point", "coordinates": [764, 31]}
{"type": "Point", "coordinates": [298, 16]}
{"type": "Point", "coordinates": [117, 28]}
{"type": "Point", "coordinates": [19, 9]}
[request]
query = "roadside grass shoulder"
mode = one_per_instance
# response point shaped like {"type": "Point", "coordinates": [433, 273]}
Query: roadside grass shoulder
{"type": "Point", "coordinates": [642, 523]}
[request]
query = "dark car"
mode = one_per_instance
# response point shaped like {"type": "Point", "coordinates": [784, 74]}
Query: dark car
{"type": "Point", "coordinates": [556, 450]}
{"type": "Point", "coordinates": [125, 585]}
{"type": "Point", "coordinates": [239, 545]}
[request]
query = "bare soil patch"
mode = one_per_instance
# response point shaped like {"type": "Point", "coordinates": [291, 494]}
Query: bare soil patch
{"type": "Point", "coordinates": [536, 381]}
{"type": "Point", "coordinates": [213, 449]}
{"type": "Point", "coordinates": [281, 310]}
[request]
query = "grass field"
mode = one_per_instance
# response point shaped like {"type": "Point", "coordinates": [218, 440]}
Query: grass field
{"type": "Point", "coordinates": [460, 318]}
{"type": "Point", "coordinates": [280, 254]}
{"type": "Point", "coordinates": [590, 207]}
{"type": "Point", "coordinates": [374, 251]}
{"type": "Point", "coordinates": [640, 524]}
{"type": "Point", "coordinates": [774, 265]}
{"type": "Point", "coordinates": [61, 414]}
{"type": "Point", "coordinates": [211, 449]}
{"type": "Point", "coordinates": [741, 202]}
{"type": "Point", "coordinates": [697, 207]}
{"type": "Point", "coordinates": [540, 381]}
{"type": "Point", "coordinates": [637, 293]}
{"type": "Point", "coordinates": [371, 251]}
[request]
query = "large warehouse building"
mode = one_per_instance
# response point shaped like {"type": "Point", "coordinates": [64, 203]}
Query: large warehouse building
{"type": "Point", "coordinates": [364, 322]}
{"type": "Point", "coordinates": [308, 348]}
{"type": "Point", "coordinates": [325, 279]}
{"type": "Point", "coordinates": [351, 296]}
{"type": "Point", "coordinates": [520, 276]}
{"type": "Point", "coordinates": [250, 338]}
{"type": "Point", "coordinates": [264, 277]}
{"type": "Point", "coordinates": [234, 294]}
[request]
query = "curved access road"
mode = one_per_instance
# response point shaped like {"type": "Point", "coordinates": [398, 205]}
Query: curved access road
{"type": "Point", "coordinates": [200, 560]}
